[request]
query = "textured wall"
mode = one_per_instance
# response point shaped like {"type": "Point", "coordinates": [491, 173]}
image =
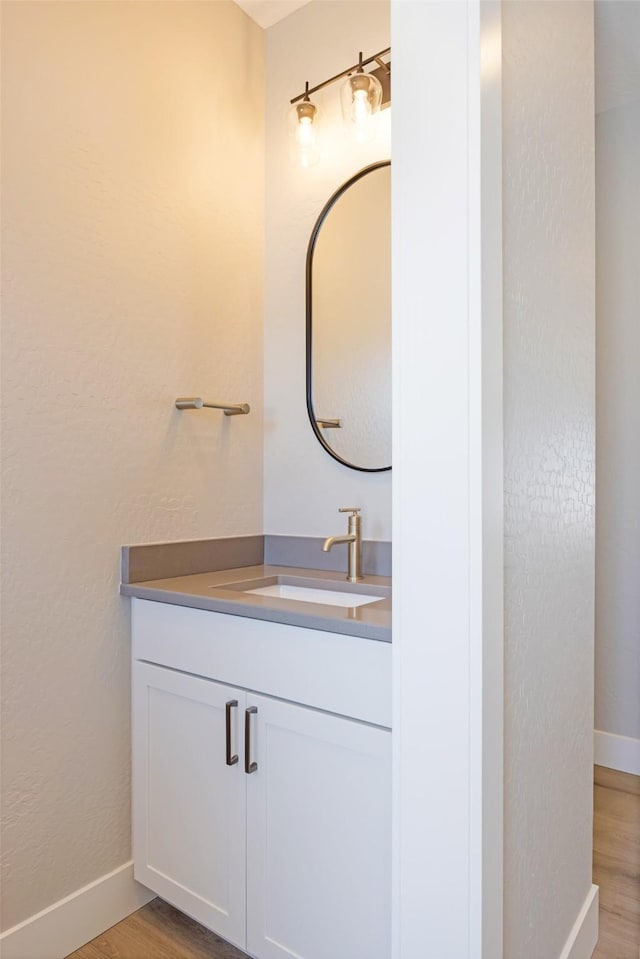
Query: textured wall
{"type": "Point", "coordinates": [132, 213]}
{"type": "Point", "coordinates": [304, 486]}
{"type": "Point", "coordinates": [549, 343]}
{"type": "Point", "coordinates": [618, 429]}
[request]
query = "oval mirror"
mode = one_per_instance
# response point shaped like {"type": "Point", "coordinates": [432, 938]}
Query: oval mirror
{"type": "Point", "coordinates": [349, 322]}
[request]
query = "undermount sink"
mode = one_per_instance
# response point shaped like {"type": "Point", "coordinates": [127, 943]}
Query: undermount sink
{"type": "Point", "coordinates": [306, 594]}
{"type": "Point", "coordinates": [307, 590]}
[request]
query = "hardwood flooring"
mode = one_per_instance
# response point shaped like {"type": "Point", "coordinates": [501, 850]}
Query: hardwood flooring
{"type": "Point", "coordinates": [160, 932]}
{"type": "Point", "coordinates": [616, 862]}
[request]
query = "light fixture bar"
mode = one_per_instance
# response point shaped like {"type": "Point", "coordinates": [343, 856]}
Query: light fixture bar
{"type": "Point", "coordinates": [339, 76]}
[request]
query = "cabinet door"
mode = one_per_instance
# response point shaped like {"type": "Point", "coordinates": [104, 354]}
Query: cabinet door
{"type": "Point", "coordinates": [318, 835]}
{"type": "Point", "coordinates": [189, 805]}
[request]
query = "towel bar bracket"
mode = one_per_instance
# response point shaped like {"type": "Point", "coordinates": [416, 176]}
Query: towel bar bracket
{"type": "Point", "coordinates": [196, 403]}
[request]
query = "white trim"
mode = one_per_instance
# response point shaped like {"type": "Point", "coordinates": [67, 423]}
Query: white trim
{"type": "Point", "coordinates": [583, 938]}
{"type": "Point", "coordinates": [447, 460]}
{"type": "Point", "coordinates": [486, 402]}
{"type": "Point", "coordinates": [68, 924]}
{"type": "Point", "coordinates": [616, 752]}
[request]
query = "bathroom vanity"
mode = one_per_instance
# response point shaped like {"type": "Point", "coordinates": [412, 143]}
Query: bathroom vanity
{"type": "Point", "coordinates": [262, 757]}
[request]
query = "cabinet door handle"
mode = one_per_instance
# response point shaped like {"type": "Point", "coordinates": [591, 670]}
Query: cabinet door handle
{"type": "Point", "coordinates": [249, 767]}
{"type": "Point", "coordinates": [231, 759]}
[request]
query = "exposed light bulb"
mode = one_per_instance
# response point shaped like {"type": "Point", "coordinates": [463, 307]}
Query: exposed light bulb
{"type": "Point", "coordinates": [361, 110]}
{"type": "Point", "coordinates": [304, 132]}
{"type": "Point", "coordinates": [304, 120]}
{"type": "Point", "coordinates": [361, 97]}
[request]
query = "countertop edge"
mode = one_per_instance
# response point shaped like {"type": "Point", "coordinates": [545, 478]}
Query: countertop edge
{"type": "Point", "coordinates": [236, 608]}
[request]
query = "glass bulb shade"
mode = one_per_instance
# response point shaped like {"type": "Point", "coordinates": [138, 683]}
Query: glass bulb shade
{"type": "Point", "coordinates": [361, 97]}
{"type": "Point", "coordinates": [304, 122]}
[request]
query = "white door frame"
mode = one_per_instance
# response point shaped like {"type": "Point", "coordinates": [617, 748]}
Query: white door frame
{"type": "Point", "coordinates": [447, 480]}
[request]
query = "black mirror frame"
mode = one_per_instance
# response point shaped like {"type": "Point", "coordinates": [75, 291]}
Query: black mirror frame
{"type": "Point", "coordinates": [309, 321]}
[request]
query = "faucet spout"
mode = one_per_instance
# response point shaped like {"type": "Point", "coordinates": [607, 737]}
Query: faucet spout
{"type": "Point", "coordinates": [353, 540]}
{"type": "Point", "coordinates": [332, 540]}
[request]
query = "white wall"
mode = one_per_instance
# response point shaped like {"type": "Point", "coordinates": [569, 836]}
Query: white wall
{"type": "Point", "coordinates": [447, 489]}
{"type": "Point", "coordinates": [304, 486]}
{"type": "Point", "coordinates": [549, 368]}
{"type": "Point", "coordinates": [618, 429]}
{"type": "Point", "coordinates": [132, 273]}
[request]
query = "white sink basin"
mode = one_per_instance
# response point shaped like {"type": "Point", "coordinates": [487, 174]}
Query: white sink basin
{"type": "Point", "coordinates": [305, 594]}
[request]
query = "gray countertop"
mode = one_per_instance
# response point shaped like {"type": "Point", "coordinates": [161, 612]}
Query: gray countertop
{"type": "Point", "coordinates": [218, 592]}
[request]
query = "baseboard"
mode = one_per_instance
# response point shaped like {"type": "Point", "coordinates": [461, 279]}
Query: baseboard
{"type": "Point", "coordinates": [583, 938]}
{"type": "Point", "coordinates": [66, 925]}
{"type": "Point", "coordinates": [616, 752]}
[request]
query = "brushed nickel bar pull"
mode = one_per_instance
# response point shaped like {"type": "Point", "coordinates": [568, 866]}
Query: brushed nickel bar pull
{"type": "Point", "coordinates": [231, 759]}
{"type": "Point", "coordinates": [249, 767]}
{"type": "Point", "coordinates": [196, 403]}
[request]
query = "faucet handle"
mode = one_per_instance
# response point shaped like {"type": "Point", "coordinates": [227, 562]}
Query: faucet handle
{"type": "Point", "coordinates": [354, 510]}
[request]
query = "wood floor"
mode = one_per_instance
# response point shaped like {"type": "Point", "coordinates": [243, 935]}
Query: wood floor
{"type": "Point", "coordinates": [160, 932]}
{"type": "Point", "coordinates": [616, 863]}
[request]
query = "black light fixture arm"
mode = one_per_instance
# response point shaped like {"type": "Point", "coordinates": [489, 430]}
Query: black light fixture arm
{"type": "Point", "coordinates": [345, 73]}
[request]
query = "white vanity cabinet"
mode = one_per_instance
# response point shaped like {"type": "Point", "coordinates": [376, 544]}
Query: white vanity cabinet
{"type": "Point", "coordinates": [286, 851]}
{"type": "Point", "coordinates": [189, 806]}
{"type": "Point", "coordinates": [318, 835]}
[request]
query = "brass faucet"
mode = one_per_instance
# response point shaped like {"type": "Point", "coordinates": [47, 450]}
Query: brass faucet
{"type": "Point", "coordinates": [354, 540]}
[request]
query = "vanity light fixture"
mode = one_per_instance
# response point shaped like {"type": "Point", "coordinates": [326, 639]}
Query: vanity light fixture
{"type": "Point", "coordinates": [304, 121]}
{"type": "Point", "coordinates": [362, 95]}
